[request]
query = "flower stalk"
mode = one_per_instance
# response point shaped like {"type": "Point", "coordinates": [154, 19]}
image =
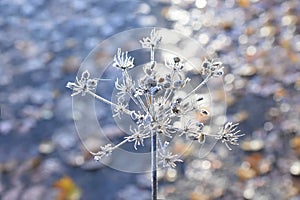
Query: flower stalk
{"type": "Point", "coordinates": [154, 181]}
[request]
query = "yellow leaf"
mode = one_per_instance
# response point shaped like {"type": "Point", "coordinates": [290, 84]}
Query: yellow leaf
{"type": "Point", "coordinates": [68, 190]}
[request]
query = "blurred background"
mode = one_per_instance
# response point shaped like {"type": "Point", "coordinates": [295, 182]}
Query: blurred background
{"type": "Point", "coordinates": [42, 44]}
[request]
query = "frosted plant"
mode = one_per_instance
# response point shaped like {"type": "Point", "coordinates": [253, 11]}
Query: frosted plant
{"type": "Point", "coordinates": [83, 85]}
{"type": "Point", "coordinates": [158, 107]}
{"type": "Point", "coordinates": [122, 61]}
{"type": "Point", "coordinates": [169, 160]}
{"type": "Point", "coordinates": [229, 134]}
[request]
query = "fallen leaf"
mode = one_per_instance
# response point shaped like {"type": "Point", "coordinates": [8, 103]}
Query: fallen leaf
{"type": "Point", "coordinates": [68, 190]}
{"type": "Point", "coordinates": [198, 196]}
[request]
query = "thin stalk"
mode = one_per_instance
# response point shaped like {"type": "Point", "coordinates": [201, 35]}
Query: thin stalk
{"type": "Point", "coordinates": [114, 147]}
{"type": "Point", "coordinates": [101, 98]}
{"type": "Point", "coordinates": [139, 102]}
{"type": "Point", "coordinates": [199, 86]}
{"type": "Point", "coordinates": [142, 103]}
{"type": "Point", "coordinates": [154, 185]}
{"type": "Point", "coordinates": [168, 96]}
{"type": "Point", "coordinates": [121, 143]}
{"type": "Point", "coordinates": [136, 102]}
{"type": "Point", "coordinates": [148, 101]}
{"type": "Point", "coordinates": [169, 91]}
{"type": "Point", "coordinates": [129, 112]}
{"type": "Point", "coordinates": [152, 54]}
{"type": "Point", "coordinates": [125, 73]}
{"type": "Point", "coordinates": [154, 181]}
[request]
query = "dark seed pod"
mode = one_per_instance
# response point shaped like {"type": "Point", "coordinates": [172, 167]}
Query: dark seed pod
{"type": "Point", "coordinates": [175, 110]}
{"type": "Point", "coordinates": [92, 83]}
{"type": "Point", "coordinates": [178, 100]}
{"type": "Point", "coordinates": [220, 72]}
{"type": "Point", "coordinates": [201, 138]}
{"type": "Point", "coordinates": [180, 67]}
{"type": "Point", "coordinates": [155, 90]}
{"type": "Point", "coordinates": [160, 80]}
{"type": "Point", "coordinates": [204, 112]}
{"type": "Point", "coordinates": [133, 116]}
{"type": "Point", "coordinates": [152, 64]}
{"type": "Point", "coordinates": [217, 64]}
{"type": "Point", "coordinates": [200, 126]}
{"type": "Point", "coordinates": [150, 82]}
{"type": "Point", "coordinates": [205, 64]}
{"type": "Point", "coordinates": [176, 59]}
{"type": "Point", "coordinates": [178, 83]}
{"type": "Point", "coordinates": [199, 99]}
{"type": "Point", "coordinates": [197, 137]}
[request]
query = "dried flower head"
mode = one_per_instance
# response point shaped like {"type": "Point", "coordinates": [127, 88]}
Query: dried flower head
{"type": "Point", "coordinates": [152, 41]}
{"type": "Point", "coordinates": [120, 109]}
{"type": "Point", "coordinates": [168, 159]}
{"type": "Point", "coordinates": [212, 68]}
{"type": "Point", "coordinates": [175, 64]}
{"type": "Point", "coordinates": [138, 136]}
{"type": "Point", "coordinates": [124, 88]}
{"type": "Point", "coordinates": [229, 134]}
{"type": "Point", "coordinates": [154, 104]}
{"type": "Point", "coordinates": [193, 131]}
{"type": "Point", "coordinates": [104, 151]}
{"type": "Point", "coordinates": [83, 85]}
{"type": "Point", "coordinates": [122, 61]}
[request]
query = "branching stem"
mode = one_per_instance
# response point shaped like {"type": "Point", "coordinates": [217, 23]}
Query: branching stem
{"type": "Point", "coordinates": [129, 112]}
{"type": "Point", "coordinates": [198, 87]}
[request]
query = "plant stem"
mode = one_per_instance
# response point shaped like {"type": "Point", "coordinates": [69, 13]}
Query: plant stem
{"type": "Point", "coordinates": [154, 185]}
{"type": "Point", "coordinates": [199, 86]}
{"type": "Point", "coordinates": [129, 112]}
{"type": "Point", "coordinates": [152, 54]}
{"type": "Point", "coordinates": [101, 98]}
{"type": "Point", "coordinates": [154, 181]}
